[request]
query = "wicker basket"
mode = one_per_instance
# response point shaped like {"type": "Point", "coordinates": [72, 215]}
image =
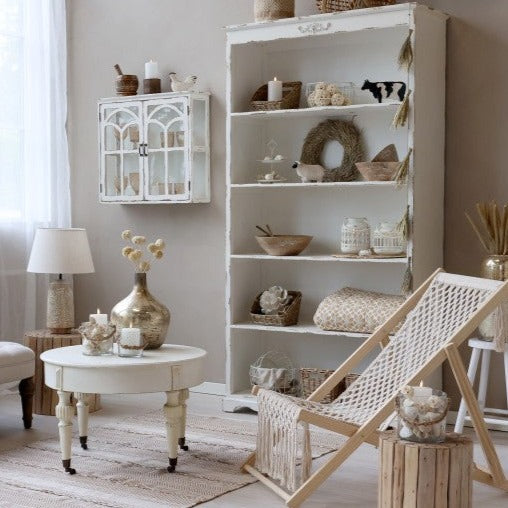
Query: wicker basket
{"type": "Point", "coordinates": [311, 379]}
{"type": "Point", "coordinates": [348, 5]}
{"type": "Point", "coordinates": [288, 317]}
{"type": "Point", "coordinates": [274, 371]}
{"type": "Point", "coordinates": [291, 91]}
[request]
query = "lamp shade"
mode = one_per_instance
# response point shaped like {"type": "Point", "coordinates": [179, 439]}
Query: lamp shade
{"type": "Point", "coordinates": [60, 251]}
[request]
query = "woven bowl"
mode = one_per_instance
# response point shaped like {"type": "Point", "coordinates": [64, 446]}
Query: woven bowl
{"type": "Point", "coordinates": [283, 245]}
{"type": "Point", "coordinates": [377, 171]}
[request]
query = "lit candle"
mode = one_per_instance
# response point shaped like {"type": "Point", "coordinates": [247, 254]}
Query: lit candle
{"type": "Point", "coordinates": [130, 337]}
{"type": "Point", "coordinates": [275, 90]}
{"type": "Point", "coordinates": [422, 393]}
{"type": "Point", "coordinates": [151, 70]}
{"type": "Point", "coordinates": [100, 319]}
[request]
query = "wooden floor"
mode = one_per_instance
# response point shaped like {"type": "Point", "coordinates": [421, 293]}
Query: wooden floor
{"type": "Point", "coordinates": [354, 485]}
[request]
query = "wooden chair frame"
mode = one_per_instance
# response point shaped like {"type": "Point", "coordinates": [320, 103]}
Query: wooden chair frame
{"type": "Point", "coordinates": [368, 432]}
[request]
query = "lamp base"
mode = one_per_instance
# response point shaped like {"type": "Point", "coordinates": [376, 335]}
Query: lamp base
{"type": "Point", "coordinates": [60, 310]}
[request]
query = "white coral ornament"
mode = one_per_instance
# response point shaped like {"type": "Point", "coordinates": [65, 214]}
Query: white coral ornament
{"type": "Point", "coordinates": [273, 300]}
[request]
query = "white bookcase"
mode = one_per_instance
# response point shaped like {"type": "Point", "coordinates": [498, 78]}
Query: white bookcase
{"type": "Point", "coordinates": [155, 149]}
{"type": "Point", "coordinates": [341, 47]}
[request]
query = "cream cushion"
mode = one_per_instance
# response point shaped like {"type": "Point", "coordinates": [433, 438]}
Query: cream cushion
{"type": "Point", "coordinates": [17, 362]}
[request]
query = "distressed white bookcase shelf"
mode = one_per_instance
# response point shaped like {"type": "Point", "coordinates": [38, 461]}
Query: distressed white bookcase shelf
{"type": "Point", "coordinates": [154, 148]}
{"type": "Point", "coordinates": [339, 47]}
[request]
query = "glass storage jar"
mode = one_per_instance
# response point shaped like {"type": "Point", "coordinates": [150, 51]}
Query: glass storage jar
{"type": "Point", "coordinates": [355, 235]}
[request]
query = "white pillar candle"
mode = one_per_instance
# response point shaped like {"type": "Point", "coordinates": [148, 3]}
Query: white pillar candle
{"type": "Point", "coordinates": [422, 393]}
{"type": "Point", "coordinates": [151, 70]}
{"type": "Point", "coordinates": [130, 337]}
{"type": "Point", "coordinates": [275, 90]}
{"type": "Point", "coordinates": [100, 319]}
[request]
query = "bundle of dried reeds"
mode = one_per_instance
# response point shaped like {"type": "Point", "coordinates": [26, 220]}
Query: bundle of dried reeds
{"type": "Point", "coordinates": [493, 229]}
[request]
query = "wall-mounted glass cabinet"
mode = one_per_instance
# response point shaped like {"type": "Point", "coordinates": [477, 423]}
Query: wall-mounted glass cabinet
{"type": "Point", "coordinates": [155, 149]}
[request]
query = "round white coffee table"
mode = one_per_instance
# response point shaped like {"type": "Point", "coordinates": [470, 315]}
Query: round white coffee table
{"type": "Point", "coordinates": [172, 369]}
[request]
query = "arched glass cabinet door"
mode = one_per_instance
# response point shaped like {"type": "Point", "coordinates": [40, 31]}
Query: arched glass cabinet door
{"type": "Point", "coordinates": [167, 150]}
{"type": "Point", "coordinates": [121, 162]}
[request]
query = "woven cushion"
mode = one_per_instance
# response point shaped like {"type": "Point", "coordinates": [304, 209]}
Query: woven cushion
{"type": "Point", "coordinates": [354, 310]}
{"type": "Point", "coordinates": [16, 362]}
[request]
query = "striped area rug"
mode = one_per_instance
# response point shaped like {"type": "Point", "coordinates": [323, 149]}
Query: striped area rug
{"type": "Point", "coordinates": [125, 465]}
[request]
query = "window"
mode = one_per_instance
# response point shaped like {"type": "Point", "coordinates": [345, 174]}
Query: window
{"type": "Point", "coordinates": [11, 109]}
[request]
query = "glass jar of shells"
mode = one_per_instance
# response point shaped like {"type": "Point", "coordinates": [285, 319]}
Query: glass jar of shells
{"type": "Point", "coordinates": [97, 338]}
{"type": "Point", "coordinates": [422, 414]}
{"type": "Point", "coordinates": [355, 235]}
{"type": "Point", "coordinates": [388, 239]}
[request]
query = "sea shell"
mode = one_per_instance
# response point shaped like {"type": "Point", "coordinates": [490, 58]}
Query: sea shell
{"type": "Point", "coordinates": [332, 88]}
{"type": "Point", "coordinates": [273, 300]}
{"type": "Point", "coordinates": [338, 99]}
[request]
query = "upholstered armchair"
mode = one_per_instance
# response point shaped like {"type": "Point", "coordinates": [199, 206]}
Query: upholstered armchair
{"type": "Point", "coordinates": [17, 363]}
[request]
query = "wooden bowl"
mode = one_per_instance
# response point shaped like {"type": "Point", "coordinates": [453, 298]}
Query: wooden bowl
{"type": "Point", "coordinates": [283, 245]}
{"type": "Point", "coordinates": [378, 171]}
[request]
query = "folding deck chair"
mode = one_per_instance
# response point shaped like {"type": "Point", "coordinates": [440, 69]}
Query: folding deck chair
{"type": "Point", "coordinates": [439, 316]}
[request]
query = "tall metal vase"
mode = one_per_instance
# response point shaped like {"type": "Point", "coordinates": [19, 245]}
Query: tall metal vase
{"type": "Point", "coordinates": [141, 310]}
{"type": "Point", "coordinates": [493, 267]}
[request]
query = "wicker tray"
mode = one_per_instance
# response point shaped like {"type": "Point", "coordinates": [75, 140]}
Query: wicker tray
{"type": "Point", "coordinates": [311, 379]}
{"type": "Point", "coordinates": [288, 317]}
{"type": "Point", "coordinates": [348, 5]}
{"type": "Point", "coordinates": [290, 97]}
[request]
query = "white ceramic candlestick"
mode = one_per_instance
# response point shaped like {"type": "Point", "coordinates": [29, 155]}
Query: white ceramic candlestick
{"type": "Point", "coordinates": [100, 319]}
{"type": "Point", "coordinates": [275, 90]}
{"type": "Point", "coordinates": [151, 70]}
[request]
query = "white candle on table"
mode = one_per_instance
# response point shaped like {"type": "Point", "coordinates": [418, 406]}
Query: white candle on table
{"type": "Point", "coordinates": [100, 319]}
{"type": "Point", "coordinates": [151, 70]}
{"type": "Point", "coordinates": [130, 337]}
{"type": "Point", "coordinates": [275, 90]}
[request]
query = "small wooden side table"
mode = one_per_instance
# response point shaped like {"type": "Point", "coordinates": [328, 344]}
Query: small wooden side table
{"type": "Point", "coordinates": [425, 475]}
{"type": "Point", "coordinates": [46, 399]}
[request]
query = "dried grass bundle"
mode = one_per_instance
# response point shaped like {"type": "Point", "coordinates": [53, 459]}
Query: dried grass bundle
{"type": "Point", "coordinates": [493, 229]}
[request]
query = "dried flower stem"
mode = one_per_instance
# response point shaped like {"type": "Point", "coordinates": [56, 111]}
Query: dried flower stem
{"type": "Point", "coordinates": [493, 229]}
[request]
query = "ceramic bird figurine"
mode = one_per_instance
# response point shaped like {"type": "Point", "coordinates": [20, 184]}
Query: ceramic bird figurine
{"type": "Point", "coordinates": [178, 85]}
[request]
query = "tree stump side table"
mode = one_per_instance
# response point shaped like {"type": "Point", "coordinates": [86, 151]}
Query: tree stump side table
{"type": "Point", "coordinates": [424, 474]}
{"type": "Point", "coordinates": [46, 399]}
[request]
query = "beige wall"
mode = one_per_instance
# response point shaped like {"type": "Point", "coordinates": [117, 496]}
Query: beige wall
{"type": "Point", "coordinates": [186, 36]}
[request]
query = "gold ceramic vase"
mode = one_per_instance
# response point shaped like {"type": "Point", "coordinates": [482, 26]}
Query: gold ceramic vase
{"type": "Point", "coordinates": [493, 267]}
{"type": "Point", "coordinates": [141, 310]}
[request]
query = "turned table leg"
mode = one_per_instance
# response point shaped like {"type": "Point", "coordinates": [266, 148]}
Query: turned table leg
{"type": "Point", "coordinates": [64, 413]}
{"type": "Point", "coordinates": [26, 391]}
{"type": "Point", "coordinates": [82, 407]}
{"type": "Point", "coordinates": [174, 411]}
{"type": "Point", "coordinates": [184, 395]}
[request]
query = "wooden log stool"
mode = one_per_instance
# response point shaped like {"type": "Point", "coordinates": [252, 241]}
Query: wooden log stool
{"type": "Point", "coordinates": [425, 475]}
{"type": "Point", "coordinates": [46, 399]}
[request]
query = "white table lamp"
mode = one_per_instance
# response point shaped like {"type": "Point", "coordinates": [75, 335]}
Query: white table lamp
{"type": "Point", "coordinates": [60, 251]}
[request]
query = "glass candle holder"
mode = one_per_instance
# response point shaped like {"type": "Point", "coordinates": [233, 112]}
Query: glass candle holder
{"type": "Point", "coordinates": [130, 343]}
{"type": "Point", "coordinates": [422, 414]}
{"type": "Point", "coordinates": [97, 338]}
{"type": "Point", "coordinates": [388, 239]}
{"type": "Point", "coordinates": [355, 235]}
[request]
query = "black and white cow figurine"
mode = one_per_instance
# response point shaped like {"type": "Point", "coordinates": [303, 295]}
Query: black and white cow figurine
{"type": "Point", "coordinates": [385, 89]}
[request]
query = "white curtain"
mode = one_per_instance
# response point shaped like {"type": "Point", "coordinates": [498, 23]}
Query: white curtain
{"type": "Point", "coordinates": [34, 165]}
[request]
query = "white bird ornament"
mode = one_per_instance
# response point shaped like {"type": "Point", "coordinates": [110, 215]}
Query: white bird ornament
{"type": "Point", "coordinates": [178, 85]}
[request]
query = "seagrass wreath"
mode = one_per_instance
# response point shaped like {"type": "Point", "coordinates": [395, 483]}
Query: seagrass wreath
{"type": "Point", "coordinates": [334, 130]}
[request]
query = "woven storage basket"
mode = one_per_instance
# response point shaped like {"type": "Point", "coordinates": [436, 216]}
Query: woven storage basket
{"type": "Point", "coordinates": [348, 5]}
{"type": "Point", "coordinates": [291, 91]}
{"type": "Point", "coordinates": [311, 379]}
{"type": "Point", "coordinates": [288, 317]}
{"type": "Point", "coordinates": [274, 371]}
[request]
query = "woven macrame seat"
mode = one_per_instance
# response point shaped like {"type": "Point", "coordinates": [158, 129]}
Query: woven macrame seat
{"type": "Point", "coordinates": [444, 310]}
